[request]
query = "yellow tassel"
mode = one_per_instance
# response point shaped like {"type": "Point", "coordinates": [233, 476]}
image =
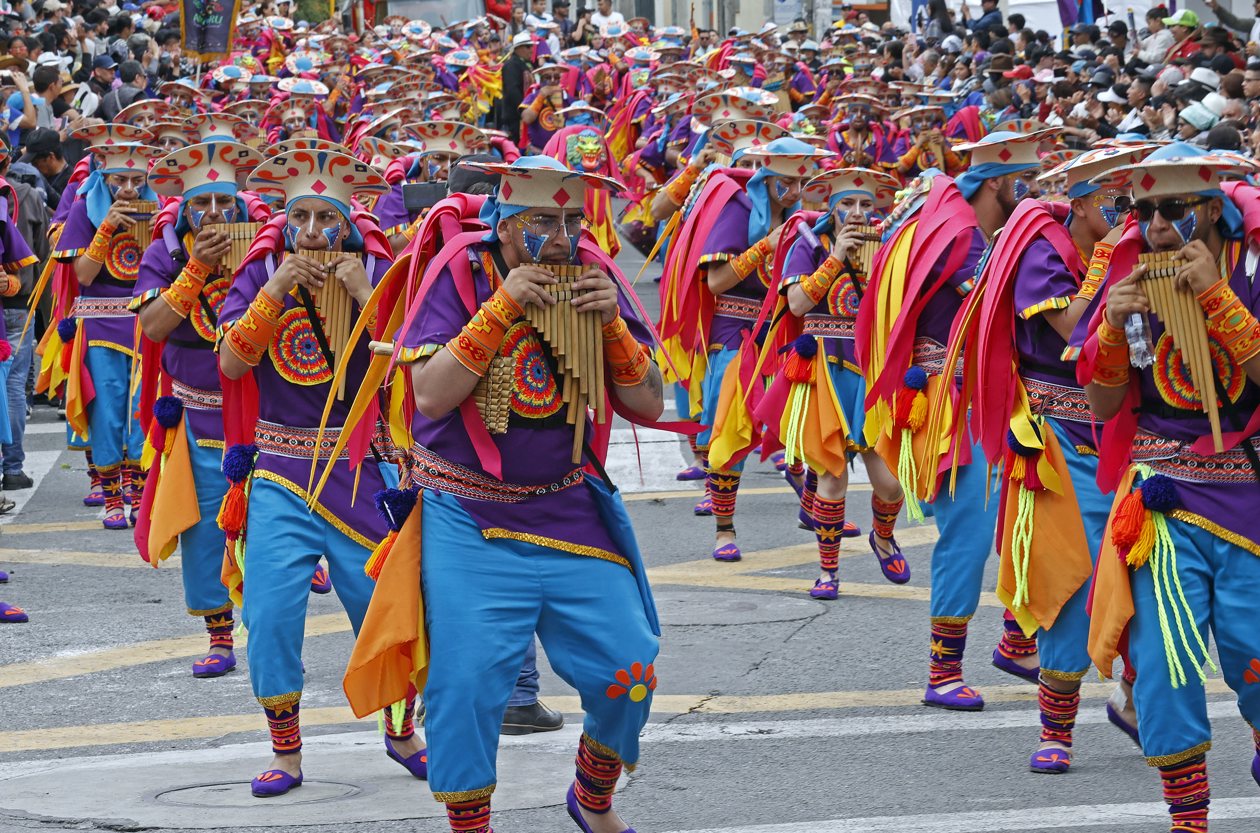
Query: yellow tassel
{"type": "Point", "coordinates": [1021, 545]}
{"type": "Point", "coordinates": [1141, 549]}
{"type": "Point", "coordinates": [918, 412]}
{"type": "Point", "coordinates": [1019, 469]}
{"type": "Point", "coordinates": [376, 562]}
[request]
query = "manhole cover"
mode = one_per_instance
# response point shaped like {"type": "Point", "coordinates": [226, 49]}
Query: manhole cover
{"type": "Point", "coordinates": [707, 607]}
{"type": "Point", "coordinates": [237, 794]}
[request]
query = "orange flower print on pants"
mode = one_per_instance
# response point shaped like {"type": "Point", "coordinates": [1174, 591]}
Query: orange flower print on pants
{"type": "Point", "coordinates": [636, 682]}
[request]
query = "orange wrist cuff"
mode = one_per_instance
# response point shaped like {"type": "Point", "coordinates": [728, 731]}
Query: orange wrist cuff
{"type": "Point", "coordinates": [1231, 322]}
{"type": "Point", "coordinates": [479, 340]}
{"type": "Point", "coordinates": [628, 360]}
{"type": "Point", "coordinates": [250, 336]}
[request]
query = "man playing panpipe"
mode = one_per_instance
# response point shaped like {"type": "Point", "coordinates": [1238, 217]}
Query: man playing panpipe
{"type": "Point", "coordinates": [1035, 424]}
{"type": "Point", "coordinates": [822, 281]}
{"type": "Point", "coordinates": [178, 297]}
{"type": "Point", "coordinates": [515, 536]}
{"type": "Point", "coordinates": [1181, 550]}
{"type": "Point", "coordinates": [920, 279]}
{"type": "Point", "coordinates": [272, 331]}
{"type": "Point", "coordinates": [99, 242]}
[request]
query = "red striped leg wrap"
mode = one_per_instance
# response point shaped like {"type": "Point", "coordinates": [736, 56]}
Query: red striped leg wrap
{"type": "Point", "coordinates": [286, 733]}
{"type": "Point", "coordinates": [469, 816]}
{"type": "Point", "coordinates": [406, 727]}
{"type": "Point", "coordinates": [219, 626]}
{"type": "Point", "coordinates": [597, 774]}
{"type": "Point", "coordinates": [828, 527]}
{"type": "Point", "coordinates": [1014, 644]}
{"type": "Point", "coordinates": [111, 486]}
{"type": "Point", "coordinates": [884, 515]}
{"type": "Point", "coordinates": [723, 487]}
{"type": "Point", "coordinates": [1058, 714]}
{"type": "Point", "coordinates": [949, 640]}
{"type": "Point", "coordinates": [1187, 794]}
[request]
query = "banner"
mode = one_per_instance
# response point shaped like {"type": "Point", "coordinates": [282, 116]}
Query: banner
{"type": "Point", "coordinates": [208, 27]}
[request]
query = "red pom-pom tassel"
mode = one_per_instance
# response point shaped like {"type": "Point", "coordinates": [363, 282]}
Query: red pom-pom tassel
{"type": "Point", "coordinates": [233, 510]}
{"type": "Point", "coordinates": [1126, 526]}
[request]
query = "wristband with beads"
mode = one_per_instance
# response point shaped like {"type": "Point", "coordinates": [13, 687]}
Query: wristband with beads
{"type": "Point", "coordinates": [1231, 322]}
{"type": "Point", "coordinates": [910, 158]}
{"type": "Point", "coordinates": [479, 340]}
{"type": "Point", "coordinates": [98, 249]}
{"type": "Point", "coordinates": [1111, 367]}
{"type": "Point", "coordinates": [181, 296]}
{"type": "Point", "coordinates": [250, 336]}
{"type": "Point", "coordinates": [747, 263]}
{"type": "Point", "coordinates": [680, 186]}
{"type": "Point", "coordinates": [1097, 271]}
{"type": "Point", "coordinates": [628, 360]}
{"type": "Point", "coordinates": [817, 284]}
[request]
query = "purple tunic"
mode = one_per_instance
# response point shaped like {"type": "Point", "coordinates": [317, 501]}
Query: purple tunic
{"type": "Point", "coordinates": [1226, 495]}
{"type": "Point", "coordinates": [737, 308]}
{"type": "Point", "coordinates": [835, 316]}
{"type": "Point", "coordinates": [804, 86]}
{"type": "Point", "coordinates": [537, 131]}
{"type": "Point", "coordinates": [1043, 283]}
{"type": "Point", "coordinates": [188, 355]}
{"type": "Point", "coordinates": [293, 385]}
{"type": "Point", "coordinates": [943, 307]}
{"type": "Point", "coordinates": [537, 447]}
{"type": "Point", "coordinates": [102, 307]}
{"type": "Point", "coordinates": [875, 145]}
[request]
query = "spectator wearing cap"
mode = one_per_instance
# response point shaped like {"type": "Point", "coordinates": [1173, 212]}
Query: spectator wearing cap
{"type": "Point", "coordinates": [134, 82]}
{"type": "Point", "coordinates": [1118, 34]}
{"type": "Point", "coordinates": [43, 153]}
{"type": "Point", "coordinates": [1184, 26]}
{"type": "Point", "coordinates": [1249, 25]}
{"type": "Point", "coordinates": [1155, 46]}
{"type": "Point", "coordinates": [1084, 37]}
{"type": "Point", "coordinates": [516, 79]}
{"type": "Point", "coordinates": [104, 75]}
{"type": "Point", "coordinates": [560, 15]}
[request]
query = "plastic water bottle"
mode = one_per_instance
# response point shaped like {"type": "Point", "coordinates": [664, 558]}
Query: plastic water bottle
{"type": "Point", "coordinates": [1138, 332]}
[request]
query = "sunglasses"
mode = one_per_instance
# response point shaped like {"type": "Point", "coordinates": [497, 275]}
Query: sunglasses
{"type": "Point", "coordinates": [1172, 210]}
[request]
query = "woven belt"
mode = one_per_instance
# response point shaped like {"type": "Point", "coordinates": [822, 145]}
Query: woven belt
{"type": "Point", "coordinates": [1058, 401]}
{"type": "Point", "coordinates": [1175, 459]}
{"type": "Point", "coordinates": [300, 443]}
{"type": "Point", "coordinates": [430, 471]}
{"type": "Point", "coordinates": [829, 326]}
{"type": "Point", "coordinates": [102, 308]}
{"type": "Point", "coordinates": [196, 398]}
{"type": "Point", "coordinates": [930, 356]}
{"type": "Point", "coordinates": [733, 306]}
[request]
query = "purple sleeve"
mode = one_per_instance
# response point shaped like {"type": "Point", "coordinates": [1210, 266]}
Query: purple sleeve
{"type": "Point", "coordinates": [529, 99]}
{"type": "Point", "coordinates": [729, 236]}
{"type": "Point", "coordinates": [1043, 281]}
{"type": "Point", "coordinates": [441, 316]}
{"type": "Point", "coordinates": [803, 258]}
{"type": "Point", "coordinates": [802, 83]}
{"type": "Point", "coordinates": [157, 272]}
{"type": "Point", "coordinates": [392, 211]}
{"type": "Point", "coordinates": [77, 234]}
{"type": "Point", "coordinates": [245, 286]}
{"type": "Point", "coordinates": [16, 252]}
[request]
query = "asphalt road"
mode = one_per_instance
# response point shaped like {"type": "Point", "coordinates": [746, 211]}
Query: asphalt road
{"type": "Point", "coordinates": [775, 713]}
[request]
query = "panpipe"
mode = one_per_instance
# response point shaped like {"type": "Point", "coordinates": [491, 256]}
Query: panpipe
{"type": "Point", "coordinates": [335, 307]}
{"type": "Point", "coordinates": [142, 212]}
{"type": "Point", "coordinates": [493, 395]}
{"type": "Point", "coordinates": [1186, 324]}
{"type": "Point", "coordinates": [576, 340]}
{"type": "Point", "coordinates": [865, 255]}
{"type": "Point", "coordinates": [242, 236]}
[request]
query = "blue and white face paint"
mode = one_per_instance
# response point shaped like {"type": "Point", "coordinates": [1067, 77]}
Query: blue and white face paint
{"type": "Point", "coordinates": [1187, 225]}
{"type": "Point", "coordinates": [229, 212]}
{"type": "Point", "coordinates": [780, 190]}
{"type": "Point", "coordinates": [534, 243]}
{"type": "Point", "coordinates": [1019, 188]}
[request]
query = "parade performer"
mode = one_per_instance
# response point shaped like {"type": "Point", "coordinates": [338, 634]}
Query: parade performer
{"type": "Point", "coordinates": [735, 270]}
{"type": "Point", "coordinates": [99, 245]}
{"type": "Point", "coordinates": [539, 110]}
{"type": "Point", "coordinates": [1036, 423]}
{"type": "Point", "coordinates": [11, 614]}
{"type": "Point", "coordinates": [543, 533]}
{"type": "Point", "coordinates": [273, 336]}
{"type": "Point", "coordinates": [816, 405]}
{"type": "Point", "coordinates": [920, 278]}
{"type": "Point", "coordinates": [1180, 549]}
{"type": "Point", "coordinates": [178, 297]}
{"type": "Point", "coordinates": [923, 145]}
